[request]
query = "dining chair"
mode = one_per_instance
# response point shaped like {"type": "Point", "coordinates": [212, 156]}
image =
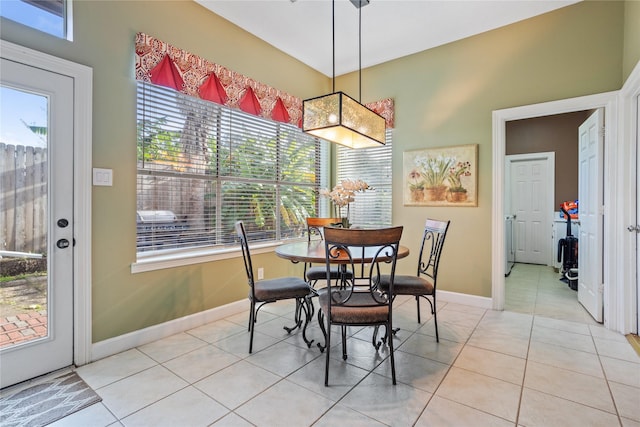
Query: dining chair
{"type": "Point", "coordinates": [423, 284]}
{"type": "Point", "coordinates": [262, 292]}
{"type": "Point", "coordinates": [357, 301]}
{"type": "Point", "coordinates": [315, 231]}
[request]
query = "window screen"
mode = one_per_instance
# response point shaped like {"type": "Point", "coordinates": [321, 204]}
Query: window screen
{"type": "Point", "coordinates": [203, 166]}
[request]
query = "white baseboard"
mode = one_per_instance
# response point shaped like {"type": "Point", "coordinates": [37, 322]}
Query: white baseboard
{"type": "Point", "coordinates": [465, 299]}
{"type": "Point", "coordinates": [134, 339]}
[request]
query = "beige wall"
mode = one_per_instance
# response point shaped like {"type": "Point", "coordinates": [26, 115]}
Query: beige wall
{"type": "Point", "coordinates": [631, 36]}
{"type": "Point", "coordinates": [443, 97]}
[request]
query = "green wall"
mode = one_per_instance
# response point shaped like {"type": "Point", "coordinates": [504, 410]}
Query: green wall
{"type": "Point", "coordinates": [443, 97]}
{"type": "Point", "coordinates": [631, 36]}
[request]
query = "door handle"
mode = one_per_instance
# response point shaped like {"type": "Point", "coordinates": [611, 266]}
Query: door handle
{"type": "Point", "coordinates": [62, 243]}
{"type": "Point", "coordinates": [633, 228]}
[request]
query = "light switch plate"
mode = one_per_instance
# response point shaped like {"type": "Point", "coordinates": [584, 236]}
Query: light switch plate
{"type": "Point", "coordinates": [103, 177]}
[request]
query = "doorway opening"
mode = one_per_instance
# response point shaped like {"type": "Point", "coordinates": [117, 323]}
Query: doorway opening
{"type": "Point", "coordinates": [606, 101]}
{"type": "Point", "coordinates": [541, 172]}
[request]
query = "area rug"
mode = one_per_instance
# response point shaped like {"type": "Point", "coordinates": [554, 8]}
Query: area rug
{"type": "Point", "coordinates": [44, 403]}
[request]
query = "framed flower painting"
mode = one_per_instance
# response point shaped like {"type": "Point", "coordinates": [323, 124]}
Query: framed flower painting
{"type": "Point", "coordinates": [444, 176]}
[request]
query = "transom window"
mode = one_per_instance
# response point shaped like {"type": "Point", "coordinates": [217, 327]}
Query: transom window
{"type": "Point", "coordinates": [49, 16]}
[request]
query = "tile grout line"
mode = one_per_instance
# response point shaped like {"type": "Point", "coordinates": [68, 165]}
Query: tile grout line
{"type": "Point", "coordinates": [526, 364]}
{"type": "Point", "coordinates": [606, 380]}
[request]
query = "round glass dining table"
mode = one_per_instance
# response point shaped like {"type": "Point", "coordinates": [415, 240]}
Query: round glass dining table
{"type": "Point", "coordinates": [314, 252]}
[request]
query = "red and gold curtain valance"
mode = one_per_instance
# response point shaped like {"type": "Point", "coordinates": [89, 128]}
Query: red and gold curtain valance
{"type": "Point", "coordinates": [163, 64]}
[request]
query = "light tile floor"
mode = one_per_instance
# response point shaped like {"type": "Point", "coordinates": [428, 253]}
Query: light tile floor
{"type": "Point", "coordinates": [541, 362]}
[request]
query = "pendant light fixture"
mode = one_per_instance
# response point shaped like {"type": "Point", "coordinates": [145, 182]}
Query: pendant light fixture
{"type": "Point", "coordinates": [339, 118]}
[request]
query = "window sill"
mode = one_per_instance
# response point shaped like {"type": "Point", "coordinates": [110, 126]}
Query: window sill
{"type": "Point", "coordinates": [181, 259]}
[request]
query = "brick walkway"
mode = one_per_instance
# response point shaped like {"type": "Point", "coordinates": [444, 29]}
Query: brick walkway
{"type": "Point", "coordinates": [22, 327]}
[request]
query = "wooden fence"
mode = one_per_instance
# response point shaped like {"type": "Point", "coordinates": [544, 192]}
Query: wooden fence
{"type": "Point", "coordinates": [23, 199]}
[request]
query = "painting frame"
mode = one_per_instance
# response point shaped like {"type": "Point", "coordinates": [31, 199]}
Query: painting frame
{"type": "Point", "coordinates": [441, 176]}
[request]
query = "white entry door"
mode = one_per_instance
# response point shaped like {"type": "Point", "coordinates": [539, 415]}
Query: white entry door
{"type": "Point", "coordinates": [531, 191]}
{"type": "Point", "coordinates": [591, 201]}
{"type": "Point", "coordinates": [40, 156]}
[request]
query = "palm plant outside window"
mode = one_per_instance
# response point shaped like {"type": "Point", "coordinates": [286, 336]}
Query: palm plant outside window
{"type": "Point", "coordinates": [203, 166]}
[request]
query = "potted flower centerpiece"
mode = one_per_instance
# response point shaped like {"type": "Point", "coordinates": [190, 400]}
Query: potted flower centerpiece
{"type": "Point", "coordinates": [457, 193]}
{"type": "Point", "coordinates": [343, 195]}
{"type": "Point", "coordinates": [434, 171]}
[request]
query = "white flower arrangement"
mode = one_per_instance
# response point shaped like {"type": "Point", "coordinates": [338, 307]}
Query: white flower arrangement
{"type": "Point", "coordinates": [344, 193]}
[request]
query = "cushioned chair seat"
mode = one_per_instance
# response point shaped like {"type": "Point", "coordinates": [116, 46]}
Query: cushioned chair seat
{"type": "Point", "coordinates": [320, 272]}
{"type": "Point", "coordinates": [407, 285]}
{"type": "Point", "coordinates": [361, 309]}
{"type": "Point", "coordinates": [281, 288]}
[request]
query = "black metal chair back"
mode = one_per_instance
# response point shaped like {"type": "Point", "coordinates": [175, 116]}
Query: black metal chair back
{"type": "Point", "coordinates": [423, 284]}
{"type": "Point", "coordinates": [315, 226]}
{"type": "Point", "coordinates": [358, 301]}
{"type": "Point", "coordinates": [246, 255]}
{"type": "Point", "coordinates": [433, 237]}
{"type": "Point", "coordinates": [271, 290]}
{"type": "Point", "coordinates": [315, 231]}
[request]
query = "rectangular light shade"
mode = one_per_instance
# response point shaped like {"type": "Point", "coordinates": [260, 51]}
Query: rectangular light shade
{"type": "Point", "coordinates": [341, 119]}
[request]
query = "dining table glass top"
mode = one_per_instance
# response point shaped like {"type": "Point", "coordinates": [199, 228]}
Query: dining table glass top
{"type": "Point", "coordinates": [314, 252]}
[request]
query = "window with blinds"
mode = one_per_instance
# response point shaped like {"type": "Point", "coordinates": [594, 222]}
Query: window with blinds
{"type": "Point", "coordinates": [373, 166]}
{"type": "Point", "coordinates": [203, 166]}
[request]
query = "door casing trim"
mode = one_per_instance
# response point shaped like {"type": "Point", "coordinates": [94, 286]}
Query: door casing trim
{"type": "Point", "coordinates": [608, 101]}
{"type": "Point", "coordinates": [628, 300]}
{"type": "Point", "coordinates": [82, 149]}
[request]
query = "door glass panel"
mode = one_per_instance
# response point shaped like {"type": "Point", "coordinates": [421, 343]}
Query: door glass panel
{"type": "Point", "coordinates": [23, 216]}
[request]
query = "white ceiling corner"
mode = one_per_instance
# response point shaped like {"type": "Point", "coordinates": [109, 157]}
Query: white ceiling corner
{"type": "Point", "coordinates": [390, 28]}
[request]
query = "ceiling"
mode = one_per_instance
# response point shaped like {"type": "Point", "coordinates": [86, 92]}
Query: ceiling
{"type": "Point", "coordinates": [390, 28]}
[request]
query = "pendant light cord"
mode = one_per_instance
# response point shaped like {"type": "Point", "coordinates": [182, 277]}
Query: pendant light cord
{"type": "Point", "coordinates": [360, 54]}
{"type": "Point", "coordinates": [333, 41]}
{"type": "Point", "coordinates": [333, 35]}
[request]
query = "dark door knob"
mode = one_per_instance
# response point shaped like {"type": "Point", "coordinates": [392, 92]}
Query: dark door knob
{"type": "Point", "coordinates": [62, 243]}
{"type": "Point", "coordinates": [63, 222]}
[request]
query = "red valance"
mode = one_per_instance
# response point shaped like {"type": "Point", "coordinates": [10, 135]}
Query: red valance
{"type": "Point", "coordinates": [166, 74]}
{"type": "Point", "coordinates": [280, 112]}
{"type": "Point", "coordinates": [163, 64]}
{"type": "Point", "coordinates": [212, 90]}
{"type": "Point", "coordinates": [249, 103]}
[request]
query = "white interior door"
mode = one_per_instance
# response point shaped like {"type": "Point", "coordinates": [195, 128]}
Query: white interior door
{"type": "Point", "coordinates": [591, 199]}
{"type": "Point", "coordinates": [531, 191]}
{"type": "Point", "coordinates": [23, 88]}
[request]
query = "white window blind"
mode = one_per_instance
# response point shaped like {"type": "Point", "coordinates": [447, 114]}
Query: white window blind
{"type": "Point", "coordinates": [203, 166]}
{"type": "Point", "coordinates": [373, 166]}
